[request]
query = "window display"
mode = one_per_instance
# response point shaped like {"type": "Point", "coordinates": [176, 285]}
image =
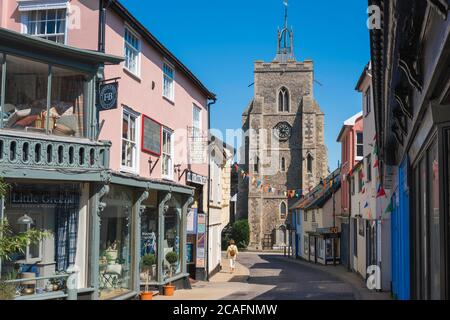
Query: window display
{"type": "Point", "coordinates": [26, 98]}
{"type": "Point", "coordinates": [44, 207]}
{"type": "Point", "coordinates": [172, 233]}
{"type": "Point", "coordinates": [115, 244]}
{"type": "Point", "coordinates": [149, 242]}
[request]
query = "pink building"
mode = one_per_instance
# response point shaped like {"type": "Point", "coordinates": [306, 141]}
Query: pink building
{"type": "Point", "coordinates": [157, 126]}
{"type": "Point", "coordinates": [352, 144]}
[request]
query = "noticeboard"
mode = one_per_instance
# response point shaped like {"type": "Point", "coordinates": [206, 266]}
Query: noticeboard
{"type": "Point", "coordinates": [151, 136]}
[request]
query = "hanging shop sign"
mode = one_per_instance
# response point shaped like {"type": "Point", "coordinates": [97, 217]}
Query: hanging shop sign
{"type": "Point", "coordinates": [201, 238]}
{"type": "Point", "coordinates": [107, 96]}
{"type": "Point", "coordinates": [196, 178]}
{"type": "Point", "coordinates": [151, 136]}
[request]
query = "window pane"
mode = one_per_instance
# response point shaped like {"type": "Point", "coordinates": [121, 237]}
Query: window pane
{"type": "Point", "coordinates": [115, 244]}
{"type": "Point", "coordinates": [125, 126]}
{"type": "Point", "coordinates": [26, 95]}
{"type": "Point", "coordinates": [68, 103]}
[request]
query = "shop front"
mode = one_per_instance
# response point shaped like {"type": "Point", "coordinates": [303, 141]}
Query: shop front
{"type": "Point", "coordinates": [139, 219]}
{"type": "Point", "coordinates": [197, 228]}
{"type": "Point", "coordinates": [51, 160]}
{"type": "Point", "coordinates": [324, 246]}
{"type": "Point", "coordinates": [59, 208]}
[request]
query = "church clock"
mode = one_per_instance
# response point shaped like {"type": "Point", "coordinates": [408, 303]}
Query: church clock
{"type": "Point", "coordinates": [283, 131]}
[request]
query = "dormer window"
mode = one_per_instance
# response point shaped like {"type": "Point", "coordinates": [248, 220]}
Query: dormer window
{"type": "Point", "coordinates": [283, 100]}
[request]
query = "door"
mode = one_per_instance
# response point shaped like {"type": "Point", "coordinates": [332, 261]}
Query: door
{"type": "Point", "coordinates": [344, 245]}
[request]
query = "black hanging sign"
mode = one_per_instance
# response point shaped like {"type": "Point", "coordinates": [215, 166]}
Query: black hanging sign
{"type": "Point", "coordinates": [107, 96]}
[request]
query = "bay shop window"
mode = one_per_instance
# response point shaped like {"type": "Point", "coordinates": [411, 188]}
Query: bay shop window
{"type": "Point", "coordinates": [44, 206]}
{"type": "Point", "coordinates": [42, 98]}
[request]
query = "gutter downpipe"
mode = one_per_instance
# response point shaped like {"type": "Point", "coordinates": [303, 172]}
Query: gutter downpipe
{"type": "Point", "coordinates": [349, 229]}
{"type": "Point", "coordinates": [209, 186]}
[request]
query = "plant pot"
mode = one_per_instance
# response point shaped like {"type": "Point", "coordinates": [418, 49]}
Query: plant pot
{"type": "Point", "coordinates": [168, 290]}
{"type": "Point", "coordinates": [146, 295]}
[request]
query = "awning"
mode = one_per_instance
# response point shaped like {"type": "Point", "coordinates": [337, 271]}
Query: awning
{"type": "Point", "coordinates": [31, 5]}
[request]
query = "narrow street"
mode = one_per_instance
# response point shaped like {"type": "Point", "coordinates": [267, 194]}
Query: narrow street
{"type": "Point", "coordinates": [271, 276]}
{"type": "Point", "coordinates": [290, 281]}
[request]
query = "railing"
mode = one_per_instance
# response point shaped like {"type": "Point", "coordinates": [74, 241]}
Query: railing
{"type": "Point", "coordinates": [43, 288]}
{"type": "Point", "coordinates": [32, 150]}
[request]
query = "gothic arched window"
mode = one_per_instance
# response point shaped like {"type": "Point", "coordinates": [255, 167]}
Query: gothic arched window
{"type": "Point", "coordinates": [283, 100]}
{"type": "Point", "coordinates": [283, 210]}
{"type": "Point", "coordinates": [283, 164]}
{"type": "Point", "coordinates": [256, 165]}
{"type": "Point", "coordinates": [309, 163]}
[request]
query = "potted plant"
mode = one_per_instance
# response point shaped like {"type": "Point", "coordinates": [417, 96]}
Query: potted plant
{"type": "Point", "coordinates": [112, 253]}
{"type": "Point", "coordinates": [147, 263]}
{"type": "Point", "coordinates": [172, 258]}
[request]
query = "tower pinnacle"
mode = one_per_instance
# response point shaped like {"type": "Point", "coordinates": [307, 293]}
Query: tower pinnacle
{"type": "Point", "coordinates": [285, 50]}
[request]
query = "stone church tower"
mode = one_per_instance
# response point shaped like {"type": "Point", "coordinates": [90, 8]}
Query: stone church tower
{"type": "Point", "coordinates": [284, 143]}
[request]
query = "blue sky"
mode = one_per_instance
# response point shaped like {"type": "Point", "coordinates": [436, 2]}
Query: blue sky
{"type": "Point", "coordinates": [220, 40]}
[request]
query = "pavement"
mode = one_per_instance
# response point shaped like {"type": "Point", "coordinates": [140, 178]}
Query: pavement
{"type": "Point", "coordinates": [271, 276]}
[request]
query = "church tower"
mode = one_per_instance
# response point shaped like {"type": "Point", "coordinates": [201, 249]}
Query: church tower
{"type": "Point", "coordinates": [284, 143]}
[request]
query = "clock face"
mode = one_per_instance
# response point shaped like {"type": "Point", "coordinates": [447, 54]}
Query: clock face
{"type": "Point", "coordinates": [283, 131]}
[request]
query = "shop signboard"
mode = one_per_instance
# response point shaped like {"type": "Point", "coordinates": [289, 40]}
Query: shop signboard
{"type": "Point", "coordinates": [201, 228]}
{"type": "Point", "coordinates": [49, 196]}
{"type": "Point", "coordinates": [196, 178]}
{"type": "Point", "coordinates": [151, 136]}
{"type": "Point", "coordinates": [107, 96]}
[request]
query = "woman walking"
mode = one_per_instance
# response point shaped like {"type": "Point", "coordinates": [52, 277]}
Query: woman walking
{"type": "Point", "coordinates": [232, 253]}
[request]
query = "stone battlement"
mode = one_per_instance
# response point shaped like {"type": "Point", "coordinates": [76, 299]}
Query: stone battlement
{"type": "Point", "coordinates": [291, 65]}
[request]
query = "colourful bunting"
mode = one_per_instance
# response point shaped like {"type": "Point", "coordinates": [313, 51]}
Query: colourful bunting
{"type": "Point", "coordinates": [381, 192]}
{"type": "Point", "coordinates": [376, 164]}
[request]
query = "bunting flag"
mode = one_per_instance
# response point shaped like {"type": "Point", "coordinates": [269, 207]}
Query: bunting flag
{"type": "Point", "coordinates": [376, 164]}
{"type": "Point", "coordinates": [389, 208]}
{"type": "Point", "coordinates": [375, 150]}
{"type": "Point", "coordinates": [381, 192]}
{"type": "Point", "coordinates": [375, 138]}
{"type": "Point", "coordinates": [369, 214]}
{"type": "Point", "coordinates": [364, 190]}
{"type": "Point", "coordinates": [366, 205]}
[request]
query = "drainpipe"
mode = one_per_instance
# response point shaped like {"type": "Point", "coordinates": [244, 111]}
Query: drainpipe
{"type": "Point", "coordinates": [104, 4]}
{"type": "Point", "coordinates": [209, 187]}
{"type": "Point", "coordinates": [349, 229]}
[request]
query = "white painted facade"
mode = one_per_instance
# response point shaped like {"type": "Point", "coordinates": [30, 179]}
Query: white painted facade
{"type": "Point", "coordinates": [221, 162]}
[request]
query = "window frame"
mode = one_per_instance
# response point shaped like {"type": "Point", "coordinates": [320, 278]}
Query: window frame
{"type": "Point", "coordinates": [170, 175]}
{"type": "Point", "coordinates": [284, 100]}
{"type": "Point", "coordinates": [283, 205]}
{"type": "Point", "coordinates": [25, 20]}
{"type": "Point", "coordinates": [131, 113]}
{"type": "Point", "coordinates": [137, 51]}
{"type": "Point", "coordinates": [196, 130]}
{"type": "Point", "coordinates": [283, 164]}
{"type": "Point", "coordinates": [167, 65]}
{"type": "Point", "coordinates": [309, 164]}
{"type": "Point", "coordinates": [361, 144]}
{"type": "Point", "coordinates": [369, 168]}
